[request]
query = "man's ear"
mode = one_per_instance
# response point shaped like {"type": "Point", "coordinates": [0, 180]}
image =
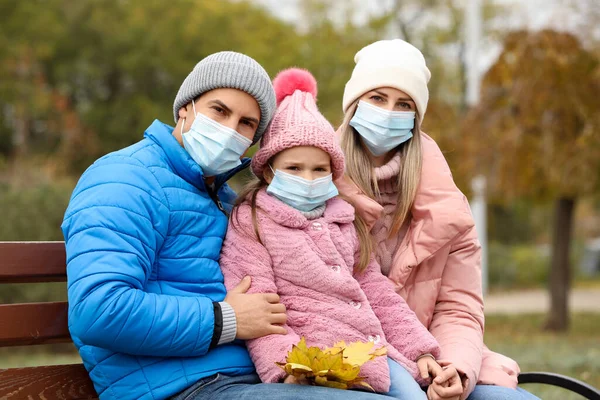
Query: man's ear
{"type": "Point", "coordinates": [183, 112]}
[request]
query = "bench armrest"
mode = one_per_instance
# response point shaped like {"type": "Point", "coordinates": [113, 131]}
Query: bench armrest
{"type": "Point", "coordinates": [565, 382]}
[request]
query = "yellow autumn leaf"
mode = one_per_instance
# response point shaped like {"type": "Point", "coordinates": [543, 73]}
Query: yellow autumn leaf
{"type": "Point", "coordinates": [335, 349]}
{"type": "Point", "coordinates": [298, 366]}
{"type": "Point", "coordinates": [322, 381]}
{"type": "Point", "coordinates": [337, 366]}
{"type": "Point", "coordinates": [346, 373]}
{"type": "Point", "coordinates": [314, 352]}
{"type": "Point", "coordinates": [358, 353]}
{"type": "Point", "coordinates": [302, 345]}
{"type": "Point", "coordinates": [297, 370]}
{"type": "Point", "coordinates": [365, 385]}
{"type": "Point", "coordinates": [382, 351]}
{"type": "Point", "coordinates": [326, 362]}
{"type": "Point", "coordinates": [299, 354]}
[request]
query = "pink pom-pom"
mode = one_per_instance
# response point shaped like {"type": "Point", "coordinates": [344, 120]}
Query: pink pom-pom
{"type": "Point", "coordinates": [289, 80]}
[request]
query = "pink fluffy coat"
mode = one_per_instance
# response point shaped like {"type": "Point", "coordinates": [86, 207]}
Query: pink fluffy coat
{"type": "Point", "coordinates": [310, 265]}
{"type": "Point", "coordinates": [437, 269]}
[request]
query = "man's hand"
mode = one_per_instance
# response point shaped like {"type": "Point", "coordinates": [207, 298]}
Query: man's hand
{"type": "Point", "coordinates": [258, 314]}
{"type": "Point", "coordinates": [447, 385]}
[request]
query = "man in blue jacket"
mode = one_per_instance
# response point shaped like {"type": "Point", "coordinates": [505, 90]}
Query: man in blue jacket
{"type": "Point", "coordinates": [148, 310]}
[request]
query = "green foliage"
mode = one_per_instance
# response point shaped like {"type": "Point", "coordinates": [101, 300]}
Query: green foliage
{"type": "Point", "coordinates": [86, 78]}
{"type": "Point", "coordinates": [516, 266]}
{"type": "Point", "coordinates": [521, 266]}
{"type": "Point", "coordinates": [574, 354]}
{"type": "Point", "coordinates": [33, 212]}
{"type": "Point", "coordinates": [31, 293]}
{"type": "Point", "coordinates": [5, 137]}
{"type": "Point", "coordinates": [92, 75]}
{"type": "Point", "coordinates": [519, 222]}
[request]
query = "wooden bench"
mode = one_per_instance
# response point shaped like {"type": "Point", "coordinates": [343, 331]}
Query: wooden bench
{"type": "Point", "coordinates": [44, 323]}
{"type": "Point", "coordinates": [37, 323]}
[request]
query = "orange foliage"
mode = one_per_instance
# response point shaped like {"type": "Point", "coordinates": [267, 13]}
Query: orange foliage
{"type": "Point", "coordinates": [536, 131]}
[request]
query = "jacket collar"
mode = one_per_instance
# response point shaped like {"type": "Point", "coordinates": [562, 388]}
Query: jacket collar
{"type": "Point", "coordinates": [180, 160]}
{"type": "Point", "coordinates": [336, 211]}
{"type": "Point", "coordinates": [440, 212]}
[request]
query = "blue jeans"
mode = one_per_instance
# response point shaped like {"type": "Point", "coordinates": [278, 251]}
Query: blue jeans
{"type": "Point", "coordinates": [490, 392]}
{"type": "Point", "coordinates": [249, 387]}
{"type": "Point", "coordinates": [403, 385]}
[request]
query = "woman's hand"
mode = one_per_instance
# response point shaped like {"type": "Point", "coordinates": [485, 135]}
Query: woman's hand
{"type": "Point", "coordinates": [446, 385]}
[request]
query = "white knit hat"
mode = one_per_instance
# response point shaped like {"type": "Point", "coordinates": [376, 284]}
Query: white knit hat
{"type": "Point", "coordinates": [389, 63]}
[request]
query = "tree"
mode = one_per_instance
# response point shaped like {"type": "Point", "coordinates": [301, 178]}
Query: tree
{"type": "Point", "coordinates": [329, 41]}
{"type": "Point", "coordinates": [85, 78]}
{"type": "Point", "coordinates": [436, 28]}
{"type": "Point", "coordinates": [536, 134]}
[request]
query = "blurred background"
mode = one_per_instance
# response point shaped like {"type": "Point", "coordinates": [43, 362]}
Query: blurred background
{"type": "Point", "coordinates": [515, 107]}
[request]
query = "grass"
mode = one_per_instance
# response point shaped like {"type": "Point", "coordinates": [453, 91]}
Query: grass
{"type": "Point", "coordinates": [576, 353]}
{"type": "Point", "coordinates": [31, 356]}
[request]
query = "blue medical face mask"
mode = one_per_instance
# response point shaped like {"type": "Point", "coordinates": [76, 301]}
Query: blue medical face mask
{"type": "Point", "coordinates": [300, 193]}
{"type": "Point", "coordinates": [382, 130]}
{"type": "Point", "coordinates": [216, 148]}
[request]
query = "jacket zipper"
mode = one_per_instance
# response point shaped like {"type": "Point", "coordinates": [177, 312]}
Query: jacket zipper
{"type": "Point", "coordinates": [220, 205]}
{"type": "Point", "coordinates": [215, 198]}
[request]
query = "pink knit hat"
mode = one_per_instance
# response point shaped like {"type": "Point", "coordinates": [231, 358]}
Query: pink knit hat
{"type": "Point", "coordinates": [297, 122]}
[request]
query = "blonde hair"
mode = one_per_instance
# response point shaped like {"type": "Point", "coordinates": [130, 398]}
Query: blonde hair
{"type": "Point", "coordinates": [360, 168]}
{"type": "Point", "coordinates": [249, 193]}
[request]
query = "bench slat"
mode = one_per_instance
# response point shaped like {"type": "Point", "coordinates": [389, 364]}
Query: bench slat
{"type": "Point", "coordinates": [28, 262]}
{"type": "Point", "coordinates": [33, 323]}
{"type": "Point", "coordinates": [69, 382]}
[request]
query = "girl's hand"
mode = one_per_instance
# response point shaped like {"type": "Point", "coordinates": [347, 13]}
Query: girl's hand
{"type": "Point", "coordinates": [447, 385]}
{"type": "Point", "coordinates": [428, 367]}
{"type": "Point", "coordinates": [295, 381]}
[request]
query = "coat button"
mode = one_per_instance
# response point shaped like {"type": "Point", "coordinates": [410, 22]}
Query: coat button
{"type": "Point", "coordinates": [375, 339]}
{"type": "Point", "coordinates": [336, 268]}
{"type": "Point", "coordinates": [355, 304]}
{"type": "Point", "coordinates": [316, 226]}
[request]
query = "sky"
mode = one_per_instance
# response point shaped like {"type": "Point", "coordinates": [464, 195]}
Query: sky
{"type": "Point", "coordinates": [534, 14]}
{"type": "Point", "coordinates": [522, 14]}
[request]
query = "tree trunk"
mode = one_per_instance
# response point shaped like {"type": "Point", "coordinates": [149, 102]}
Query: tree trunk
{"type": "Point", "coordinates": [560, 270]}
{"type": "Point", "coordinates": [22, 126]}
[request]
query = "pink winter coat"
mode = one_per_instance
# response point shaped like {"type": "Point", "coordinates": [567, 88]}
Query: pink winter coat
{"type": "Point", "coordinates": [310, 264]}
{"type": "Point", "coordinates": [437, 269]}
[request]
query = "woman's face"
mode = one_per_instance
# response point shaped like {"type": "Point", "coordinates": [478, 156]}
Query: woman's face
{"type": "Point", "coordinates": [389, 99]}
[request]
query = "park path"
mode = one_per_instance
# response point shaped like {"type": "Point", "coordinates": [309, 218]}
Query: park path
{"type": "Point", "coordinates": [538, 301]}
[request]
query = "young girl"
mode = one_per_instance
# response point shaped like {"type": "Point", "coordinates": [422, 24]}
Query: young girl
{"type": "Point", "coordinates": [425, 240]}
{"type": "Point", "coordinates": [294, 237]}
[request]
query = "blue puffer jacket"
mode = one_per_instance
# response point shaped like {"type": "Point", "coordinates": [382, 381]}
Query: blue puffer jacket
{"type": "Point", "coordinates": [143, 238]}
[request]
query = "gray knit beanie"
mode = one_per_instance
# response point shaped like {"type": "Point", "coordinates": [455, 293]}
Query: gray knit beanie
{"type": "Point", "coordinates": [228, 69]}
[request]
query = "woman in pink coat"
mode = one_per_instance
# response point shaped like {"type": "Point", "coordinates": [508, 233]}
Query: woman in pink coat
{"type": "Point", "coordinates": [426, 244]}
{"type": "Point", "coordinates": [294, 237]}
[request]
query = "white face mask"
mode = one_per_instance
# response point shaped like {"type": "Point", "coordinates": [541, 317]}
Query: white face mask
{"type": "Point", "coordinates": [216, 148]}
{"type": "Point", "coordinates": [300, 193]}
{"type": "Point", "coordinates": [382, 130]}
